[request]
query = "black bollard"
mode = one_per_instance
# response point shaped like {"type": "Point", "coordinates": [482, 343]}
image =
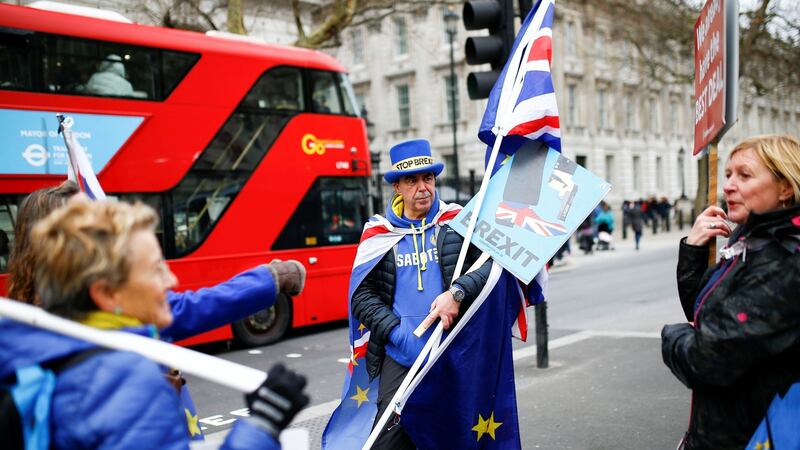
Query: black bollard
{"type": "Point", "coordinates": [542, 357]}
{"type": "Point", "coordinates": [680, 219]}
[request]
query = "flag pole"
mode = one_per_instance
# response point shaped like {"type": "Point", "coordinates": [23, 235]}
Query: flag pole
{"type": "Point", "coordinates": [217, 370]}
{"type": "Point", "coordinates": [391, 407]}
{"type": "Point", "coordinates": [437, 333]}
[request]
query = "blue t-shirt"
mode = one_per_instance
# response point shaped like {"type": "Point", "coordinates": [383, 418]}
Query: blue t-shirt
{"type": "Point", "coordinates": [411, 304]}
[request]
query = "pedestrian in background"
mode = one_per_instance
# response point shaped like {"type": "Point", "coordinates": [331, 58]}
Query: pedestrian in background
{"type": "Point", "coordinates": [99, 263]}
{"type": "Point", "coordinates": [743, 345]}
{"type": "Point", "coordinates": [636, 217]}
{"type": "Point", "coordinates": [605, 226]}
{"type": "Point", "coordinates": [664, 208]}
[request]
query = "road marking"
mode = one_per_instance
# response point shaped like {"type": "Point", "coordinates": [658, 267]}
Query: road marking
{"type": "Point", "coordinates": [582, 336]}
{"type": "Point", "coordinates": [327, 408]}
{"type": "Point", "coordinates": [294, 355]}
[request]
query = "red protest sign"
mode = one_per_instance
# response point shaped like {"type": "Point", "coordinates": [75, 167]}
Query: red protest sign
{"type": "Point", "coordinates": [709, 73]}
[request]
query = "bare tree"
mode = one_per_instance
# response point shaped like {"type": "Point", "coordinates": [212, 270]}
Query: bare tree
{"type": "Point", "coordinates": [318, 26]}
{"type": "Point", "coordinates": [662, 34]}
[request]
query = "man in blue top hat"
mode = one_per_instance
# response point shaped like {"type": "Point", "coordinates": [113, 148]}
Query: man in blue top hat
{"type": "Point", "coordinates": [404, 272]}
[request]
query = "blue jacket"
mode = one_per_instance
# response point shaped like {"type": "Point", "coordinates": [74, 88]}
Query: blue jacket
{"type": "Point", "coordinates": [111, 400]}
{"type": "Point", "coordinates": [195, 312]}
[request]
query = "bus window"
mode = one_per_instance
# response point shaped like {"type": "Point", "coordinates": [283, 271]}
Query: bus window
{"type": "Point", "coordinates": [324, 92]}
{"type": "Point", "coordinates": [8, 215]}
{"type": "Point", "coordinates": [98, 68]}
{"type": "Point", "coordinates": [151, 200]}
{"type": "Point", "coordinates": [174, 66]}
{"type": "Point", "coordinates": [339, 203]}
{"type": "Point", "coordinates": [14, 60]}
{"type": "Point", "coordinates": [282, 89]}
{"type": "Point", "coordinates": [42, 62]}
{"type": "Point", "coordinates": [348, 97]}
{"type": "Point", "coordinates": [223, 168]}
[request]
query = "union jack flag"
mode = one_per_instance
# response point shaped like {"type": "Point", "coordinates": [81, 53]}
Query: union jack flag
{"type": "Point", "coordinates": [522, 104]}
{"type": "Point", "coordinates": [521, 215]}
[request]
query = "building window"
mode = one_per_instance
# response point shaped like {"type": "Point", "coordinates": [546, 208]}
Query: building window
{"type": "Point", "coordinates": [637, 174]}
{"type": "Point", "coordinates": [610, 169]}
{"type": "Point", "coordinates": [569, 38]}
{"type": "Point", "coordinates": [357, 45]}
{"type": "Point", "coordinates": [653, 107]}
{"type": "Point", "coordinates": [659, 173]}
{"type": "Point", "coordinates": [602, 121]}
{"type": "Point", "coordinates": [630, 112]}
{"type": "Point", "coordinates": [581, 161]}
{"type": "Point", "coordinates": [400, 36]}
{"type": "Point", "coordinates": [673, 116]}
{"type": "Point", "coordinates": [361, 102]}
{"type": "Point", "coordinates": [600, 46]}
{"type": "Point", "coordinates": [403, 106]}
{"type": "Point", "coordinates": [572, 114]}
{"type": "Point", "coordinates": [451, 93]}
{"type": "Point", "coordinates": [625, 50]}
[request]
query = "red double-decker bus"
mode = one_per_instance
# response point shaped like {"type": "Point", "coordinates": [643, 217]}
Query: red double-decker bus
{"type": "Point", "coordinates": [249, 151]}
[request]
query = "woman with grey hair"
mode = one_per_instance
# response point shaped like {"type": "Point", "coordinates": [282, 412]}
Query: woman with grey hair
{"type": "Point", "coordinates": [99, 263]}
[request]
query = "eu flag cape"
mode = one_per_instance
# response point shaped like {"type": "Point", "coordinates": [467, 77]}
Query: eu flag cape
{"type": "Point", "coordinates": [467, 400]}
{"type": "Point", "coordinates": [351, 422]}
{"type": "Point", "coordinates": [779, 429]}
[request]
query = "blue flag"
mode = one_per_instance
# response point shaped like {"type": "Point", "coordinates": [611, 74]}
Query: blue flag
{"type": "Point", "coordinates": [778, 430]}
{"type": "Point", "coordinates": [467, 400]}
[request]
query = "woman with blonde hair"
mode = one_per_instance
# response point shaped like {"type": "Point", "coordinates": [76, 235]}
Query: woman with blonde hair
{"type": "Point", "coordinates": [742, 345]}
{"type": "Point", "coordinates": [99, 263]}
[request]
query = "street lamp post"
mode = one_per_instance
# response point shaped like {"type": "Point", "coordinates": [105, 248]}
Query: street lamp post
{"type": "Point", "coordinates": [683, 181]}
{"type": "Point", "coordinates": [451, 24]}
{"type": "Point", "coordinates": [375, 159]}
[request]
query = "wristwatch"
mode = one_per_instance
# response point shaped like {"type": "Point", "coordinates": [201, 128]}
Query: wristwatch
{"type": "Point", "coordinates": [458, 293]}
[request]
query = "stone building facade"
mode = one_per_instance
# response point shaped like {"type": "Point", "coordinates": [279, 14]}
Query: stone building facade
{"type": "Point", "coordinates": [634, 132]}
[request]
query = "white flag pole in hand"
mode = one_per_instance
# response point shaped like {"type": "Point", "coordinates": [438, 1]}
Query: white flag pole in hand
{"type": "Point", "coordinates": [80, 169]}
{"type": "Point", "coordinates": [217, 370]}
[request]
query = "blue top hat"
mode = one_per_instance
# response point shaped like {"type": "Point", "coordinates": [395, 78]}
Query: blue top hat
{"type": "Point", "coordinates": [411, 157]}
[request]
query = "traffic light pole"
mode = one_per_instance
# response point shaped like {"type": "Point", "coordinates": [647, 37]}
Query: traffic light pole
{"type": "Point", "coordinates": [457, 184]}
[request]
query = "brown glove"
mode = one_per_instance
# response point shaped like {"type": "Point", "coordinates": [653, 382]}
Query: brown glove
{"type": "Point", "coordinates": [290, 276]}
{"type": "Point", "coordinates": [175, 379]}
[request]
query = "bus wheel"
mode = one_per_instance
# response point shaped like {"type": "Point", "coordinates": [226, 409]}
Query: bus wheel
{"type": "Point", "coordinates": [267, 326]}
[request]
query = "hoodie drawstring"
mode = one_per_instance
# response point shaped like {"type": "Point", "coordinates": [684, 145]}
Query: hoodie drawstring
{"type": "Point", "coordinates": [421, 263]}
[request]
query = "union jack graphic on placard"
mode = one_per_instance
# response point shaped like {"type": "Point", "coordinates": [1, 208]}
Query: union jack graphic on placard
{"type": "Point", "coordinates": [521, 215]}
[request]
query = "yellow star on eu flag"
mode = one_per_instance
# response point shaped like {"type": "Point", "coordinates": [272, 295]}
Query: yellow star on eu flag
{"type": "Point", "coordinates": [487, 426]}
{"type": "Point", "coordinates": [361, 395]}
{"type": "Point", "coordinates": [763, 446]}
{"type": "Point", "coordinates": [191, 421]}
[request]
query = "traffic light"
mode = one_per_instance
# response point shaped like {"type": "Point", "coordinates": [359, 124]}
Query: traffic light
{"type": "Point", "coordinates": [498, 17]}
